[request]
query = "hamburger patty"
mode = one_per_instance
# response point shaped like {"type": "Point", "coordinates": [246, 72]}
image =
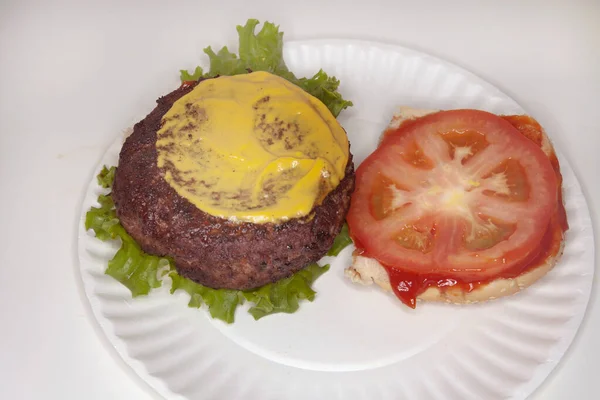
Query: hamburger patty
{"type": "Point", "coordinates": [213, 251]}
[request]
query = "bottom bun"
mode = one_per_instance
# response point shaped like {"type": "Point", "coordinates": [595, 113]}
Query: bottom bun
{"type": "Point", "coordinates": [366, 271]}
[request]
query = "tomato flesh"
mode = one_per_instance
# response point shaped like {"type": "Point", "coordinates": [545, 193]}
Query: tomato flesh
{"type": "Point", "coordinates": [459, 193]}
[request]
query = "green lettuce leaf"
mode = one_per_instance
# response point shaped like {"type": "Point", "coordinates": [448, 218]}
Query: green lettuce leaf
{"type": "Point", "coordinates": [103, 220]}
{"type": "Point", "coordinates": [224, 63]}
{"type": "Point", "coordinates": [341, 241]}
{"type": "Point", "coordinates": [132, 267]}
{"type": "Point", "coordinates": [135, 269]}
{"type": "Point", "coordinates": [141, 272]}
{"type": "Point", "coordinates": [106, 177]}
{"type": "Point", "coordinates": [283, 296]}
{"type": "Point", "coordinates": [221, 303]}
{"type": "Point", "coordinates": [194, 76]}
{"type": "Point", "coordinates": [263, 51]}
{"type": "Point", "coordinates": [324, 88]}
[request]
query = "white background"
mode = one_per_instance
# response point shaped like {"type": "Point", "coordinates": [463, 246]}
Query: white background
{"type": "Point", "coordinates": [72, 75]}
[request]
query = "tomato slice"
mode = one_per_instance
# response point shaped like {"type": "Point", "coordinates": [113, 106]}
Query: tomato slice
{"type": "Point", "coordinates": [460, 193]}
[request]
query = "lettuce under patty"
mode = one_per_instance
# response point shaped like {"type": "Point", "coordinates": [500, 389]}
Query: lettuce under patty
{"type": "Point", "coordinates": [263, 51]}
{"type": "Point", "coordinates": [141, 272]}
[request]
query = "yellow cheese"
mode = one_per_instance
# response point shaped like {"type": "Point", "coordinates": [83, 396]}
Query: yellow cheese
{"type": "Point", "coordinates": [252, 147]}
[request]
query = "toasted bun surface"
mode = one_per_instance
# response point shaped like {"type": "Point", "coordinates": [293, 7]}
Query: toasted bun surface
{"type": "Point", "coordinates": [366, 271]}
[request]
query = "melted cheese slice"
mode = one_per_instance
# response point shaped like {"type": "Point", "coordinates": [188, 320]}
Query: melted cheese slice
{"type": "Point", "coordinates": [252, 148]}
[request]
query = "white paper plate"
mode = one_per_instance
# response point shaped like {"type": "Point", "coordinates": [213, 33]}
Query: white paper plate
{"type": "Point", "coordinates": [354, 342]}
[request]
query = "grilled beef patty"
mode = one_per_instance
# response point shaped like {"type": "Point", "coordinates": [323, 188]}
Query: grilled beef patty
{"type": "Point", "coordinates": [213, 251]}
